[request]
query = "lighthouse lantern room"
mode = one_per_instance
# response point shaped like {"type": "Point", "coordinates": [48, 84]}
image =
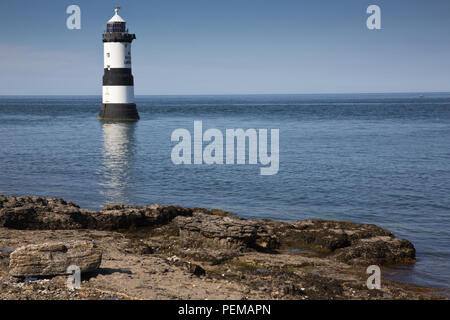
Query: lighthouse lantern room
{"type": "Point", "coordinates": [118, 84]}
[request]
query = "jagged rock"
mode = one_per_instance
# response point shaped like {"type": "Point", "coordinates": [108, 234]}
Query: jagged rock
{"type": "Point", "coordinates": [214, 239]}
{"type": "Point", "coordinates": [382, 250]}
{"type": "Point", "coordinates": [243, 258]}
{"type": "Point", "coordinates": [56, 214]}
{"type": "Point", "coordinates": [212, 235]}
{"type": "Point", "coordinates": [327, 236]}
{"type": "Point", "coordinates": [211, 226]}
{"type": "Point", "coordinates": [41, 213]}
{"type": "Point", "coordinates": [210, 251]}
{"type": "Point", "coordinates": [347, 242]}
{"type": "Point", "coordinates": [53, 258]}
{"type": "Point", "coordinates": [114, 217]}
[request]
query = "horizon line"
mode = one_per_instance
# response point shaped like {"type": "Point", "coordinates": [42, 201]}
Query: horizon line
{"type": "Point", "coordinates": [236, 94]}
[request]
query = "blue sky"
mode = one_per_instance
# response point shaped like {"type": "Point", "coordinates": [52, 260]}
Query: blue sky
{"type": "Point", "coordinates": [230, 46]}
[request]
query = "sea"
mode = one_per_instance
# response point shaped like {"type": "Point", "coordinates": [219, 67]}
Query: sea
{"type": "Point", "coordinates": [367, 158]}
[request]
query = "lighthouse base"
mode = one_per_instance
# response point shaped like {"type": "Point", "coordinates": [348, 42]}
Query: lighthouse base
{"type": "Point", "coordinates": [118, 112]}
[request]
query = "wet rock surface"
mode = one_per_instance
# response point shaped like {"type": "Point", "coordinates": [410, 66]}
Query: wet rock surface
{"type": "Point", "coordinates": [352, 243]}
{"type": "Point", "coordinates": [169, 252]}
{"type": "Point", "coordinates": [32, 213]}
{"type": "Point", "coordinates": [382, 250]}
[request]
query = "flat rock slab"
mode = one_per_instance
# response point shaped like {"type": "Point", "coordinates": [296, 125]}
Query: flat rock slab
{"type": "Point", "coordinates": [53, 258]}
{"type": "Point", "coordinates": [211, 226]}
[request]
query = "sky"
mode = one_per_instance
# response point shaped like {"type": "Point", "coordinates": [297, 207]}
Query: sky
{"type": "Point", "coordinates": [230, 46]}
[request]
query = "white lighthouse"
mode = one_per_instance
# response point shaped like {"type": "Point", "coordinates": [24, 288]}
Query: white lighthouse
{"type": "Point", "coordinates": [118, 84]}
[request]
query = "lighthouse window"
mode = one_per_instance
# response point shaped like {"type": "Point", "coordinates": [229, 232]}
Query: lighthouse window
{"type": "Point", "coordinates": [107, 54]}
{"type": "Point", "coordinates": [115, 27]}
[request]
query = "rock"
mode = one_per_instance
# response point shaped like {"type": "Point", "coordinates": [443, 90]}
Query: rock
{"type": "Point", "coordinates": [214, 239]}
{"type": "Point", "coordinates": [190, 267]}
{"type": "Point", "coordinates": [36, 213]}
{"type": "Point", "coordinates": [53, 258]}
{"type": "Point", "coordinates": [216, 212]}
{"type": "Point", "coordinates": [382, 250]}
{"type": "Point", "coordinates": [116, 207]}
{"type": "Point", "coordinates": [4, 259]}
{"type": "Point", "coordinates": [363, 244]}
{"type": "Point", "coordinates": [42, 213]}
{"type": "Point", "coordinates": [211, 226]}
{"type": "Point", "coordinates": [213, 236]}
{"type": "Point", "coordinates": [138, 247]}
{"type": "Point", "coordinates": [193, 268]}
{"type": "Point", "coordinates": [326, 236]}
{"type": "Point", "coordinates": [173, 259]}
{"type": "Point", "coordinates": [125, 217]}
{"type": "Point", "coordinates": [144, 249]}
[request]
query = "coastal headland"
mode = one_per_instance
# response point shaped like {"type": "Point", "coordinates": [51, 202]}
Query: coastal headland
{"type": "Point", "coordinates": [171, 252]}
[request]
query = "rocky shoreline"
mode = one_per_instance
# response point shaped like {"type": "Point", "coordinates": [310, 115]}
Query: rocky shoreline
{"type": "Point", "coordinates": [170, 252]}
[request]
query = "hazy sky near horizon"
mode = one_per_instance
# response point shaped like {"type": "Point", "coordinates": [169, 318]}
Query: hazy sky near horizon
{"type": "Point", "coordinates": [230, 46]}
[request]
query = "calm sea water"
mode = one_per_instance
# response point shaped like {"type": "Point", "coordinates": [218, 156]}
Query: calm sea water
{"type": "Point", "coordinates": [382, 159]}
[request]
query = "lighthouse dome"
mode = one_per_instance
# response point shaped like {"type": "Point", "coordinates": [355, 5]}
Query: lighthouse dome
{"type": "Point", "coordinates": [116, 23]}
{"type": "Point", "coordinates": [116, 18]}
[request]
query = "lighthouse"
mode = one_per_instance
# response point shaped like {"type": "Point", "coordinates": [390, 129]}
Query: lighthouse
{"type": "Point", "coordinates": [118, 84]}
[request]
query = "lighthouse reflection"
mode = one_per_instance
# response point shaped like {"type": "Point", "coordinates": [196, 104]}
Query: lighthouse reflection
{"type": "Point", "coordinates": [118, 170]}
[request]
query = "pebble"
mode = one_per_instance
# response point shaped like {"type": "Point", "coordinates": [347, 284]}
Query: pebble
{"type": "Point", "coordinates": [173, 259]}
{"type": "Point", "coordinates": [262, 288]}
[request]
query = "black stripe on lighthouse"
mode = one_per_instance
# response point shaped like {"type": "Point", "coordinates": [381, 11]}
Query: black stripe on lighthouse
{"type": "Point", "coordinates": [118, 77]}
{"type": "Point", "coordinates": [118, 111]}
